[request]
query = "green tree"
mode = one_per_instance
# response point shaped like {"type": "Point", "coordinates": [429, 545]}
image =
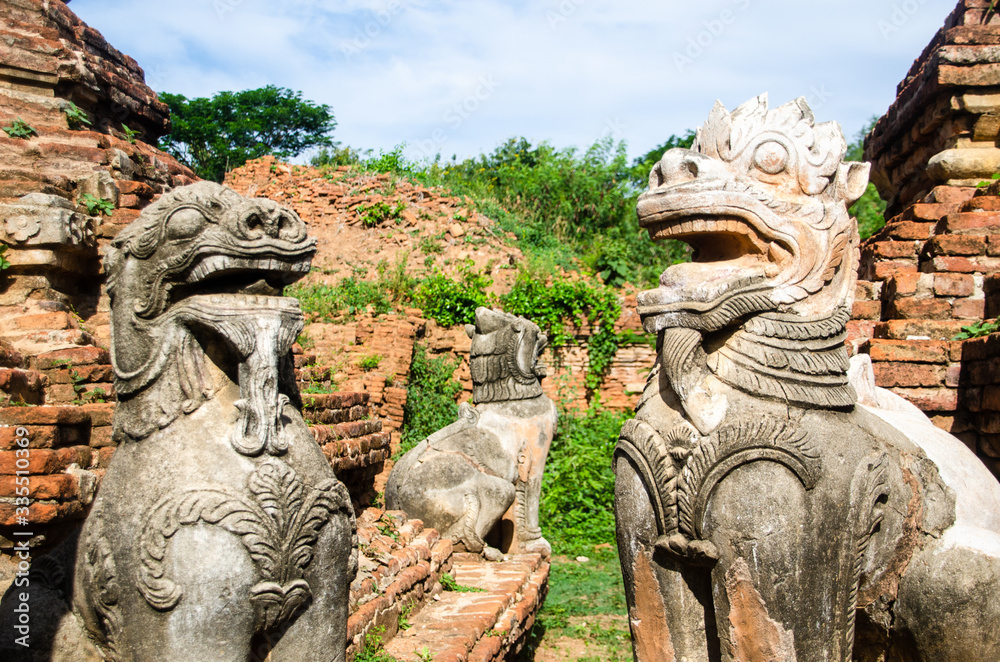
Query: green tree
{"type": "Point", "coordinates": [218, 134]}
{"type": "Point", "coordinates": [870, 207]}
{"type": "Point", "coordinates": [643, 164]}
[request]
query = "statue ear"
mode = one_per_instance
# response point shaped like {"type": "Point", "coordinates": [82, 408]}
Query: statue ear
{"type": "Point", "coordinates": [470, 330]}
{"type": "Point", "coordinates": [854, 180]}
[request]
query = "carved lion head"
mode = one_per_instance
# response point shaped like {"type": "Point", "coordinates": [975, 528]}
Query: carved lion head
{"type": "Point", "coordinates": [504, 359]}
{"type": "Point", "coordinates": [762, 197]}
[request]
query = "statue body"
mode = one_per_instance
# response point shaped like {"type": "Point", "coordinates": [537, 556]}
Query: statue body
{"type": "Point", "coordinates": [463, 478]}
{"type": "Point", "coordinates": [220, 531]}
{"type": "Point", "coordinates": [763, 513]}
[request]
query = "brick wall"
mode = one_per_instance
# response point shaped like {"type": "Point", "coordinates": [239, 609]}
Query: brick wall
{"type": "Point", "coordinates": [931, 270]}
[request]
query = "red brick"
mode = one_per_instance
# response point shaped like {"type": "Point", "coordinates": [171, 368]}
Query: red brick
{"type": "Point", "coordinates": [75, 356]}
{"type": "Point", "coordinates": [953, 196]}
{"type": "Point", "coordinates": [930, 399]}
{"type": "Point", "coordinates": [869, 310]}
{"type": "Point", "coordinates": [991, 398]}
{"type": "Point", "coordinates": [864, 290]}
{"type": "Point", "coordinates": [47, 321]}
{"type": "Point", "coordinates": [953, 285]}
{"type": "Point", "coordinates": [121, 217]}
{"type": "Point", "coordinates": [902, 285]}
{"type": "Point", "coordinates": [953, 375]}
{"type": "Point", "coordinates": [126, 186]}
{"type": "Point", "coordinates": [45, 461]}
{"type": "Point", "coordinates": [958, 264]}
{"type": "Point", "coordinates": [100, 413]}
{"type": "Point", "coordinates": [894, 249]}
{"type": "Point", "coordinates": [969, 309]}
{"type": "Point", "coordinates": [890, 268]}
{"type": "Point", "coordinates": [911, 351]}
{"type": "Point", "coordinates": [977, 222]}
{"type": "Point", "coordinates": [979, 373]}
{"type": "Point", "coordinates": [921, 309]}
{"type": "Point", "coordinates": [78, 153]}
{"type": "Point", "coordinates": [61, 487]}
{"type": "Point", "coordinates": [983, 203]}
{"type": "Point", "coordinates": [957, 245]}
{"type": "Point", "coordinates": [103, 456]}
{"type": "Point", "coordinates": [989, 445]}
{"type": "Point", "coordinates": [40, 513]}
{"type": "Point", "coordinates": [904, 230]}
{"type": "Point", "coordinates": [43, 415]}
{"type": "Point", "coordinates": [932, 329]}
{"type": "Point", "coordinates": [100, 437]}
{"type": "Point", "coordinates": [923, 211]}
{"type": "Point", "coordinates": [889, 374]}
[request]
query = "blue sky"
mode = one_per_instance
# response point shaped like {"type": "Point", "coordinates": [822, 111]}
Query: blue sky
{"type": "Point", "coordinates": [460, 77]}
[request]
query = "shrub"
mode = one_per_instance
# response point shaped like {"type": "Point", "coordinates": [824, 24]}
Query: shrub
{"type": "Point", "coordinates": [430, 397]}
{"type": "Point", "coordinates": [578, 488]}
{"type": "Point", "coordinates": [449, 302]}
{"type": "Point", "coordinates": [325, 303]}
{"type": "Point", "coordinates": [96, 205]}
{"type": "Point", "coordinates": [554, 305]}
{"type": "Point", "coordinates": [75, 117]}
{"type": "Point", "coordinates": [379, 212]}
{"type": "Point", "coordinates": [20, 129]}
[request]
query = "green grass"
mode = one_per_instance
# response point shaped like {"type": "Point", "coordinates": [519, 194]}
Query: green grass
{"type": "Point", "coordinates": [581, 598]}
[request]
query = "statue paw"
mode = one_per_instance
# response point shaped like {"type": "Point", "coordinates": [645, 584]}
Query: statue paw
{"type": "Point", "coordinates": [492, 553]}
{"type": "Point", "coordinates": [538, 546]}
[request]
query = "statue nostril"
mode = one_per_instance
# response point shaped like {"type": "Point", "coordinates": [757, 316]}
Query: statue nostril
{"type": "Point", "coordinates": [253, 221]}
{"type": "Point", "coordinates": [691, 167]}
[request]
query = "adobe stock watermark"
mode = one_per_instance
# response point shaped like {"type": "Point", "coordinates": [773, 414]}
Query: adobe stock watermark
{"type": "Point", "coordinates": [900, 15]}
{"type": "Point", "coordinates": [456, 115]}
{"type": "Point", "coordinates": [223, 7]}
{"type": "Point", "coordinates": [818, 96]}
{"type": "Point", "coordinates": [712, 30]}
{"type": "Point", "coordinates": [22, 536]}
{"type": "Point", "coordinates": [364, 35]}
{"type": "Point", "coordinates": [562, 12]}
{"type": "Point", "coordinates": [614, 128]}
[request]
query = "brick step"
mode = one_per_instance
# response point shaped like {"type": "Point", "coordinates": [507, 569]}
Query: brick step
{"type": "Point", "coordinates": [400, 564]}
{"type": "Point", "coordinates": [481, 626]}
{"type": "Point", "coordinates": [35, 343]}
{"type": "Point", "coordinates": [35, 109]}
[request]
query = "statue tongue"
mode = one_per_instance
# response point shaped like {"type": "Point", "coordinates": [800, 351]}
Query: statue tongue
{"type": "Point", "coordinates": [261, 331]}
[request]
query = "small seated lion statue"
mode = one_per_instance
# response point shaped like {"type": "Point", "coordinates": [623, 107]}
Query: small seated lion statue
{"type": "Point", "coordinates": [462, 479]}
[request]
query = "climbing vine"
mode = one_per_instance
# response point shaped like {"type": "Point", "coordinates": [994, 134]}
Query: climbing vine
{"type": "Point", "coordinates": [558, 304]}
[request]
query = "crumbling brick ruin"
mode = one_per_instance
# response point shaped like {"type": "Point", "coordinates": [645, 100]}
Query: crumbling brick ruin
{"type": "Point", "coordinates": [933, 268]}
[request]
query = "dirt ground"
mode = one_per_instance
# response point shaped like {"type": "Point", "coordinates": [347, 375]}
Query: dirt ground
{"type": "Point", "coordinates": [596, 638]}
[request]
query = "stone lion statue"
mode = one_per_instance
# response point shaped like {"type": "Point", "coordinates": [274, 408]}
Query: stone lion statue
{"type": "Point", "coordinates": [463, 478]}
{"type": "Point", "coordinates": [763, 511]}
{"type": "Point", "coordinates": [220, 531]}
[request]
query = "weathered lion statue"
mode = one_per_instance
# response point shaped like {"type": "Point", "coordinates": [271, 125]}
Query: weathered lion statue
{"type": "Point", "coordinates": [462, 479]}
{"type": "Point", "coordinates": [220, 531]}
{"type": "Point", "coordinates": [763, 511]}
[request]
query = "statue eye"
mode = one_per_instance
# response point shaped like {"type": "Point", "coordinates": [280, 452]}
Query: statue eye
{"type": "Point", "coordinates": [771, 157]}
{"type": "Point", "coordinates": [185, 223]}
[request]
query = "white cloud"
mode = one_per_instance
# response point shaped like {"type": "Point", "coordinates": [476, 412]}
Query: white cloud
{"type": "Point", "coordinates": [564, 70]}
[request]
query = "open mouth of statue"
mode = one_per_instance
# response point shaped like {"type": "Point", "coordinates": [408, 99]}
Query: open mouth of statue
{"type": "Point", "coordinates": [733, 251]}
{"type": "Point", "coordinates": [233, 277]}
{"type": "Point", "coordinates": [728, 253]}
